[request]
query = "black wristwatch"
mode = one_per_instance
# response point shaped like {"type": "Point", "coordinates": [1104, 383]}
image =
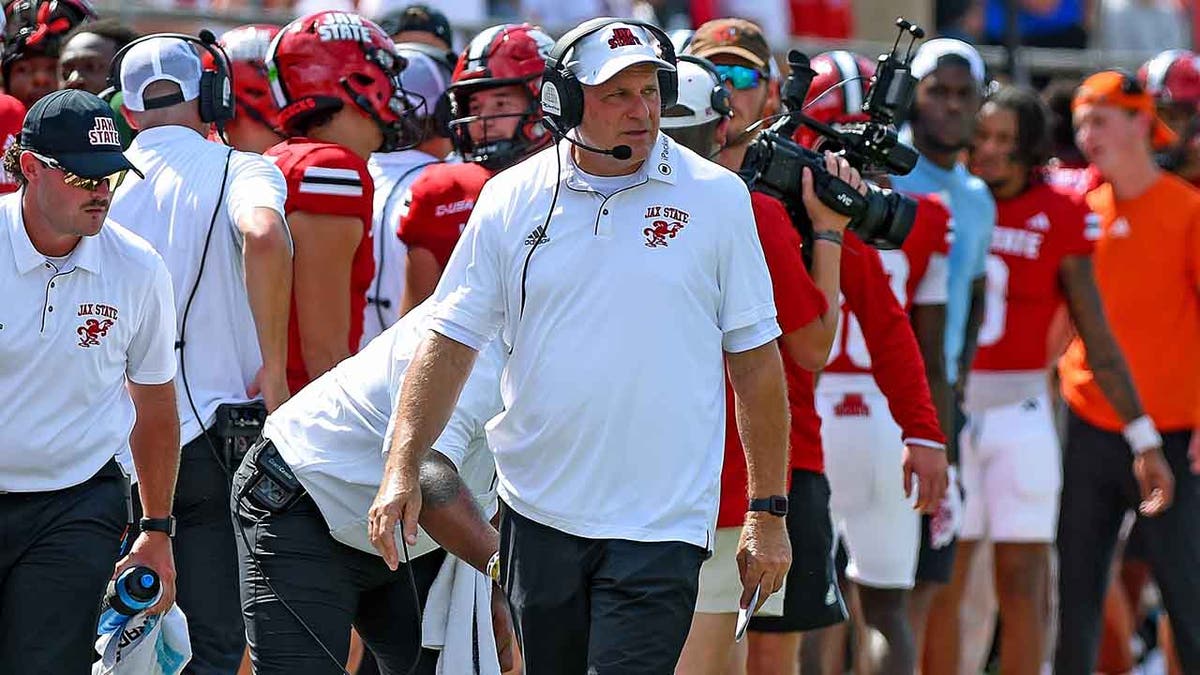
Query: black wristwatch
{"type": "Point", "coordinates": [776, 505]}
{"type": "Point", "coordinates": [166, 525]}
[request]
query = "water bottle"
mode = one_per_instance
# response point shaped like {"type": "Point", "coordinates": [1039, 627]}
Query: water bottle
{"type": "Point", "coordinates": [136, 589]}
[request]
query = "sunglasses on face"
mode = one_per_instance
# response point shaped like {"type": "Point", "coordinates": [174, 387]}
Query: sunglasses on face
{"type": "Point", "coordinates": [89, 184]}
{"type": "Point", "coordinates": [741, 77]}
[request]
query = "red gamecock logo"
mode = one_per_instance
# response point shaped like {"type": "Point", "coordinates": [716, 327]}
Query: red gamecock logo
{"type": "Point", "coordinates": [852, 405]}
{"type": "Point", "coordinates": [623, 37]}
{"type": "Point", "coordinates": [659, 232]}
{"type": "Point", "coordinates": [92, 330]}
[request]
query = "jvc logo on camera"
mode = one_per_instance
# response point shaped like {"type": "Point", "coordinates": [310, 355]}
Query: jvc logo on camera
{"type": "Point", "coordinates": [845, 200]}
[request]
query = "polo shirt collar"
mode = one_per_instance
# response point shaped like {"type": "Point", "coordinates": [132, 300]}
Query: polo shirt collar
{"type": "Point", "coordinates": [27, 258]}
{"type": "Point", "coordinates": [659, 166]}
{"type": "Point", "coordinates": [165, 135]}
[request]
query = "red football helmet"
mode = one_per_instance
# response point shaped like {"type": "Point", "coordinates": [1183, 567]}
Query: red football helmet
{"type": "Point", "coordinates": [1172, 77]}
{"type": "Point", "coordinates": [837, 92]}
{"type": "Point", "coordinates": [247, 48]}
{"type": "Point", "coordinates": [499, 56]}
{"type": "Point", "coordinates": [326, 60]}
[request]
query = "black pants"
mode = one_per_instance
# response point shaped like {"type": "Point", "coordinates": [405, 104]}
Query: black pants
{"type": "Point", "coordinates": [597, 606]}
{"type": "Point", "coordinates": [206, 561]}
{"type": "Point", "coordinates": [57, 552]}
{"type": "Point", "coordinates": [331, 586]}
{"type": "Point", "coordinates": [1098, 489]}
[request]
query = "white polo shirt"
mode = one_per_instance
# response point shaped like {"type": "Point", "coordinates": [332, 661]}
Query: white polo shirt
{"type": "Point", "coordinates": [614, 393]}
{"type": "Point", "coordinates": [70, 336]}
{"type": "Point", "coordinates": [172, 209]}
{"type": "Point", "coordinates": [333, 432]}
{"type": "Point", "coordinates": [392, 172]}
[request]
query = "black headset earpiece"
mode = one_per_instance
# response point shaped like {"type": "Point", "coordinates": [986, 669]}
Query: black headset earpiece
{"type": "Point", "coordinates": [216, 86]}
{"type": "Point", "coordinates": [439, 110]}
{"type": "Point", "coordinates": [719, 98]}
{"type": "Point", "coordinates": [562, 94]}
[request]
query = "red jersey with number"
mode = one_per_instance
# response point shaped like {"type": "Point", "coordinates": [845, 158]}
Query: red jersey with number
{"type": "Point", "coordinates": [1034, 232]}
{"type": "Point", "coordinates": [328, 179]}
{"type": "Point", "coordinates": [798, 302]}
{"type": "Point", "coordinates": [437, 205]}
{"type": "Point", "coordinates": [916, 274]}
{"type": "Point", "coordinates": [876, 336]}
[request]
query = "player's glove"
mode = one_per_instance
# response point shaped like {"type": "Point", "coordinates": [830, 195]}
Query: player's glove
{"type": "Point", "coordinates": [947, 521]}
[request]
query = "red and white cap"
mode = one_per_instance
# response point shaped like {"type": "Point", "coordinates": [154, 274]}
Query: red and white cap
{"type": "Point", "coordinates": [608, 51]}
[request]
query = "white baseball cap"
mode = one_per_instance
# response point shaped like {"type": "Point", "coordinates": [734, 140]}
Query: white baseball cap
{"type": "Point", "coordinates": [156, 60]}
{"type": "Point", "coordinates": [930, 54]}
{"type": "Point", "coordinates": [694, 105]}
{"type": "Point", "coordinates": [423, 76]}
{"type": "Point", "coordinates": [608, 51]}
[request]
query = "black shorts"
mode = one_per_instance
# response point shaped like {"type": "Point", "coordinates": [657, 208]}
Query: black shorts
{"type": "Point", "coordinates": [935, 565]}
{"type": "Point", "coordinates": [812, 598]}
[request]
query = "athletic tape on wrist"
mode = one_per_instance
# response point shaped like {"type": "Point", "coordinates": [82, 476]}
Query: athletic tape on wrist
{"type": "Point", "coordinates": [1141, 435]}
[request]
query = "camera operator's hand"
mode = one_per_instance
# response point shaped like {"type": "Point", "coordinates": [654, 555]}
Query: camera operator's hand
{"type": "Point", "coordinates": [823, 218]}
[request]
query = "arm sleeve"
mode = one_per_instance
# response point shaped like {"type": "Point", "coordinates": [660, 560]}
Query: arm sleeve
{"type": "Point", "coordinates": [470, 295]}
{"type": "Point", "coordinates": [745, 284]}
{"type": "Point", "coordinates": [798, 301]}
{"type": "Point", "coordinates": [151, 356]}
{"type": "Point", "coordinates": [253, 182]}
{"type": "Point", "coordinates": [331, 180]}
{"type": "Point", "coordinates": [420, 227]}
{"type": "Point", "coordinates": [897, 366]}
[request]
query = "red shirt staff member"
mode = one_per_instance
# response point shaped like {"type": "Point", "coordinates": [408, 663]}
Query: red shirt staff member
{"type": "Point", "coordinates": [1147, 264]}
{"type": "Point", "coordinates": [355, 107]}
{"type": "Point", "coordinates": [86, 332]}
{"type": "Point", "coordinates": [496, 122]}
{"type": "Point", "coordinates": [562, 254]}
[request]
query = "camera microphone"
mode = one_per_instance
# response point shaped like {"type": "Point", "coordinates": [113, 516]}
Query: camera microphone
{"type": "Point", "coordinates": [619, 152]}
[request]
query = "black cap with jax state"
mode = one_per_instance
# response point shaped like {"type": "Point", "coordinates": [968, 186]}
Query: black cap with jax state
{"type": "Point", "coordinates": [77, 130]}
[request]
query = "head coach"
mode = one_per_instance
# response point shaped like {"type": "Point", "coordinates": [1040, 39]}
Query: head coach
{"type": "Point", "coordinates": [85, 350]}
{"type": "Point", "coordinates": [216, 217]}
{"type": "Point", "coordinates": [623, 272]}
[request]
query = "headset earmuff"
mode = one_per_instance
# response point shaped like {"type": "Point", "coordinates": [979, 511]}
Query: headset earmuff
{"type": "Point", "coordinates": [719, 98]}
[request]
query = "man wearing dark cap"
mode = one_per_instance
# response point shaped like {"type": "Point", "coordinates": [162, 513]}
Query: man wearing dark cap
{"type": "Point", "coordinates": [422, 24]}
{"type": "Point", "coordinates": [86, 348]}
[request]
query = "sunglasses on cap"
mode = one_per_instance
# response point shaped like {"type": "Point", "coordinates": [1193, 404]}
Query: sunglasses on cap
{"type": "Point", "coordinates": [89, 184]}
{"type": "Point", "coordinates": [741, 77]}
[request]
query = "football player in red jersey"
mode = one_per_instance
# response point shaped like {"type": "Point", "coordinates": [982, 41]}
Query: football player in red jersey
{"type": "Point", "coordinates": [1173, 79]}
{"type": "Point", "coordinates": [255, 128]}
{"type": "Point", "coordinates": [1010, 456]}
{"type": "Point", "coordinates": [496, 122]}
{"type": "Point", "coordinates": [335, 78]}
{"type": "Point", "coordinates": [876, 396]}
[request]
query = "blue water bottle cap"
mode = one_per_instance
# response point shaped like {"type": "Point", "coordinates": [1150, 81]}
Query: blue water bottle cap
{"type": "Point", "coordinates": [146, 580]}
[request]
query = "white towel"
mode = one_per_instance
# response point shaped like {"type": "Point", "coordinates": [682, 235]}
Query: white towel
{"type": "Point", "coordinates": [458, 616]}
{"type": "Point", "coordinates": [146, 645]}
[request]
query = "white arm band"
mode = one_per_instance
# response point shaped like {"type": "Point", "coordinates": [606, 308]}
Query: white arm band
{"type": "Point", "coordinates": [1141, 435]}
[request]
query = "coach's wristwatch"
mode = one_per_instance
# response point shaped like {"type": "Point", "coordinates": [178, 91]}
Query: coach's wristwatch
{"type": "Point", "coordinates": [165, 525]}
{"type": "Point", "coordinates": [776, 505]}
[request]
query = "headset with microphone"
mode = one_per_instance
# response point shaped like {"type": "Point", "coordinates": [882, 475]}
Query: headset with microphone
{"type": "Point", "coordinates": [719, 98]}
{"type": "Point", "coordinates": [216, 86]}
{"type": "Point", "coordinates": [562, 93]}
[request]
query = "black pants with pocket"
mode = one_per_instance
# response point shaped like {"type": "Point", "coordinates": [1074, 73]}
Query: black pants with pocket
{"type": "Point", "coordinates": [331, 587]}
{"type": "Point", "coordinates": [57, 553]}
{"type": "Point", "coordinates": [597, 606]}
{"type": "Point", "coordinates": [1098, 489]}
{"type": "Point", "coordinates": [206, 559]}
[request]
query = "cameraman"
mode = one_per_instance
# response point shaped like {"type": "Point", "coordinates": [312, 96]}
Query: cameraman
{"type": "Point", "coordinates": [216, 217]}
{"type": "Point", "coordinates": [807, 603]}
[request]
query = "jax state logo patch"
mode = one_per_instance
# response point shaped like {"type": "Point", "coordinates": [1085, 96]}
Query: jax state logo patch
{"type": "Point", "coordinates": [99, 319]}
{"type": "Point", "coordinates": [664, 223]}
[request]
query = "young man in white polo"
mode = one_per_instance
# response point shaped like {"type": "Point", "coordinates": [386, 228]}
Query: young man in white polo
{"type": "Point", "coordinates": [623, 280]}
{"type": "Point", "coordinates": [86, 333]}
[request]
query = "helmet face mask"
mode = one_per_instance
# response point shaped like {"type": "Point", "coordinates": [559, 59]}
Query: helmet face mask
{"type": "Point", "coordinates": [324, 61]}
{"type": "Point", "coordinates": [501, 56]}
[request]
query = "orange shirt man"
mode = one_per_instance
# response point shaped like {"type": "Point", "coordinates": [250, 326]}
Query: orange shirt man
{"type": "Point", "coordinates": [1147, 268]}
